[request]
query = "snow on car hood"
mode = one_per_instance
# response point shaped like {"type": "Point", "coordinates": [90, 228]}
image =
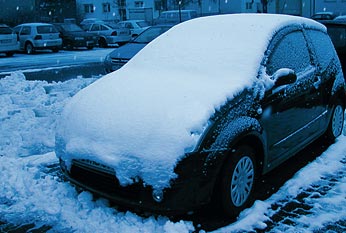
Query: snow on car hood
{"type": "Point", "coordinates": [141, 119]}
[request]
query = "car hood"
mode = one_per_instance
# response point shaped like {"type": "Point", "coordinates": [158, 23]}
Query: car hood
{"type": "Point", "coordinates": [127, 51]}
{"type": "Point", "coordinates": [143, 118]}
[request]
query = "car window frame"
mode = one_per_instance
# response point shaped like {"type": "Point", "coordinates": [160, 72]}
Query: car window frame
{"type": "Point", "coordinates": [276, 39]}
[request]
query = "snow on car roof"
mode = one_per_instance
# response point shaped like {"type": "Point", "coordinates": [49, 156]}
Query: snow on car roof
{"type": "Point", "coordinates": [141, 119]}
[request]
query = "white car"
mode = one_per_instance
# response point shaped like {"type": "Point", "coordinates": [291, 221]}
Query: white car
{"type": "Point", "coordinates": [38, 36]}
{"type": "Point", "coordinates": [8, 40]}
{"type": "Point", "coordinates": [135, 26]}
{"type": "Point", "coordinates": [108, 34]}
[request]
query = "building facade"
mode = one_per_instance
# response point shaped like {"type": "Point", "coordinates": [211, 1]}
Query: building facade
{"type": "Point", "coordinates": [13, 12]}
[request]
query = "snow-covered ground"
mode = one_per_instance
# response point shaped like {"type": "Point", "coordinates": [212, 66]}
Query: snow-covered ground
{"type": "Point", "coordinates": [33, 193]}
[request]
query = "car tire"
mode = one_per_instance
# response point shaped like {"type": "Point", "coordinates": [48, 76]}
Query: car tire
{"type": "Point", "coordinates": [102, 43]}
{"type": "Point", "coordinates": [90, 47]}
{"type": "Point", "coordinates": [55, 50]}
{"type": "Point", "coordinates": [336, 122]}
{"type": "Point", "coordinates": [238, 181]}
{"type": "Point", "coordinates": [29, 48]}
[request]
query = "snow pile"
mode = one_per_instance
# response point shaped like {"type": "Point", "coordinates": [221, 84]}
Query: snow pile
{"type": "Point", "coordinates": [28, 112]}
{"type": "Point", "coordinates": [153, 110]}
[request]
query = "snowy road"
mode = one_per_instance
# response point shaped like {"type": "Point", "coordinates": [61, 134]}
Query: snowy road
{"type": "Point", "coordinates": [34, 196]}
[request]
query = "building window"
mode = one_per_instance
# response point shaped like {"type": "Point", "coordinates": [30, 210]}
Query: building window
{"type": "Point", "coordinates": [88, 8]}
{"type": "Point", "coordinates": [139, 4]}
{"type": "Point", "coordinates": [248, 5]}
{"type": "Point", "coordinates": [106, 7]}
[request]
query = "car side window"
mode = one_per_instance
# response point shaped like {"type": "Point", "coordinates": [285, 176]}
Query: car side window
{"type": "Point", "coordinates": [25, 31]}
{"type": "Point", "coordinates": [95, 27]}
{"type": "Point", "coordinates": [103, 28]}
{"type": "Point", "coordinates": [323, 47]}
{"type": "Point", "coordinates": [290, 52]}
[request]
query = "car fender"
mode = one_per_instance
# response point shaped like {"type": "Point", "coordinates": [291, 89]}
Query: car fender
{"type": "Point", "coordinates": [242, 130]}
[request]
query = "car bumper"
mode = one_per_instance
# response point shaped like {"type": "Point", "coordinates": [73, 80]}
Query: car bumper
{"type": "Point", "coordinates": [83, 43]}
{"type": "Point", "coordinates": [46, 44]}
{"type": "Point", "coordinates": [118, 39]}
{"type": "Point", "coordinates": [187, 193]}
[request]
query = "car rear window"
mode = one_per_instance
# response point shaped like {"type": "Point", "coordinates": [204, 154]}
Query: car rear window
{"type": "Point", "coordinates": [46, 29]}
{"type": "Point", "coordinates": [5, 30]}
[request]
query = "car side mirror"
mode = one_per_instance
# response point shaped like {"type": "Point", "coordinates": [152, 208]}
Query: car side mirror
{"type": "Point", "coordinates": [284, 76]}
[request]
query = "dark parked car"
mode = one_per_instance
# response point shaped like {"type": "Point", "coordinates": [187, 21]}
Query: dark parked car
{"type": "Point", "coordinates": [337, 32]}
{"type": "Point", "coordinates": [120, 56]}
{"type": "Point", "coordinates": [73, 36]}
{"type": "Point", "coordinates": [324, 15]}
{"type": "Point", "coordinates": [203, 111]}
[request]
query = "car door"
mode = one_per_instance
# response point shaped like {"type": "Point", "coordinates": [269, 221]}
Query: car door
{"type": "Point", "coordinates": [290, 112]}
{"type": "Point", "coordinates": [24, 33]}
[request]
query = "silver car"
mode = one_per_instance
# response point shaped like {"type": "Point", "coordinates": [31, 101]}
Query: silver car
{"type": "Point", "coordinates": [109, 34]}
{"type": "Point", "coordinates": [8, 40]}
{"type": "Point", "coordinates": [38, 36]}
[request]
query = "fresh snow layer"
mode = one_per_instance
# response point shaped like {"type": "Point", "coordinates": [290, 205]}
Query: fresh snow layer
{"type": "Point", "coordinates": [33, 192]}
{"type": "Point", "coordinates": [141, 119]}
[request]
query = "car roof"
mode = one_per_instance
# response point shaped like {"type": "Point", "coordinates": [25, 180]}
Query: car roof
{"type": "Point", "coordinates": [35, 24]}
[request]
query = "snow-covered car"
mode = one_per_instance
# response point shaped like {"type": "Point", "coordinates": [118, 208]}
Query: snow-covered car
{"type": "Point", "coordinates": [73, 36]}
{"type": "Point", "coordinates": [120, 56]}
{"type": "Point", "coordinates": [8, 40]}
{"type": "Point", "coordinates": [38, 36]}
{"type": "Point", "coordinates": [135, 26]}
{"type": "Point", "coordinates": [108, 34]}
{"type": "Point", "coordinates": [183, 124]}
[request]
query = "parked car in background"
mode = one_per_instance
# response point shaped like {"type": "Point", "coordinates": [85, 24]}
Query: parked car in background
{"type": "Point", "coordinates": [120, 56]}
{"type": "Point", "coordinates": [91, 20]}
{"type": "Point", "coordinates": [324, 15]}
{"type": "Point", "coordinates": [9, 43]}
{"type": "Point", "coordinates": [108, 34]}
{"type": "Point", "coordinates": [337, 32]}
{"type": "Point", "coordinates": [199, 117]}
{"type": "Point", "coordinates": [175, 16]}
{"type": "Point", "coordinates": [135, 26]}
{"type": "Point", "coordinates": [38, 36]}
{"type": "Point", "coordinates": [340, 18]}
{"type": "Point", "coordinates": [74, 36]}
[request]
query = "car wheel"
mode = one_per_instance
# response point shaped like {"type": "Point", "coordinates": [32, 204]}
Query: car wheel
{"type": "Point", "coordinates": [102, 43]}
{"type": "Point", "coordinates": [29, 48]}
{"type": "Point", "coordinates": [336, 122]}
{"type": "Point", "coordinates": [90, 47]}
{"type": "Point", "coordinates": [55, 50]}
{"type": "Point", "coordinates": [238, 181]}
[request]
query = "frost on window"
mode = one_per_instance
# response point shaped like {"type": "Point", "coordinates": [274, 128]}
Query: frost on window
{"type": "Point", "coordinates": [291, 52]}
{"type": "Point", "coordinates": [323, 47]}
